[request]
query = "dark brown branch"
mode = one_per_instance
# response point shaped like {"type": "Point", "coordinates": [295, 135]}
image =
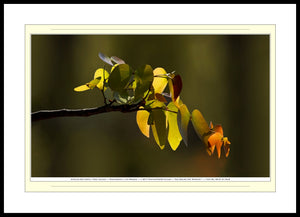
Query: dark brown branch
{"type": "Point", "coordinates": [46, 114]}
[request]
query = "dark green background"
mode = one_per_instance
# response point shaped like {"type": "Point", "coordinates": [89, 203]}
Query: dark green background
{"type": "Point", "coordinates": [226, 77]}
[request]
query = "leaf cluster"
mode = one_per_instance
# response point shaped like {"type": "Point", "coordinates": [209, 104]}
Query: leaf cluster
{"type": "Point", "coordinates": [163, 112]}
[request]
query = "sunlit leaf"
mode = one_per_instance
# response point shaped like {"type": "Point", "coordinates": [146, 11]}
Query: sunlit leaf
{"type": "Point", "coordinates": [117, 60]}
{"type": "Point", "coordinates": [143, 78]}
{"type": "Point", "coordinates": [93, 83]}
{"type": "Point", "coordinates": [226, 146]}
{"type": "Point", "coordinates": [119, 77]}
{"type": "Point", "coordinates": [159, 83]}
{"type": "Point", "coordinates": [174, 136]}
{"type": "Point", "coordinates": [142, 117]}
{"type": "Point", "coordinates": [215, 141]}
{"type": "Point", "coordinates": [218, 128]}
{"type": "Point", "coordinates": [101, 74]}
{"type": "Point", "coordinates": [105, 58]}
{"type": "Point", "coordinates": [200, 125]}
{"type": "Point", "coordinates": [81, 88]}
{"type": "Point", "coordinates": [185, 117]}
{"type": "Point", "coordinates": [87, 86]}
{"type": "Point", "coordinates": [112, 68]}
{"type": "Point", "coordinates": [154, 104]}
{"type": "Point", "coordinates": [159, 128]}
{"type": "Point", "coordinates": [178, 102]}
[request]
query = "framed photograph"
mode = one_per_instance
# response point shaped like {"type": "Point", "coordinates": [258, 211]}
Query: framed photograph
{"type": "Point", "coordinates": [222, 141]}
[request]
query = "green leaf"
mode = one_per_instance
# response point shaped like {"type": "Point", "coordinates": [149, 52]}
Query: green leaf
{"type": "Point", "coordinates": [159, 128]}
{"type": "Point", "coordinates": [174, 136]}
{"type": "Point", "coordinates": [122, 97]}
{"type": "Point", "coordinates": [154, 104]}
{"type": "Point", "coordinates": [151, 95]}
{"type": "Point", "coordinates": [119, 77]}
{"type": "Point", "coordinates": [150, 119]}
{"type": "Point", "coordinates": [200, 125]}
{"type": "Point", "coordinates": [184, 122]}
{"type": "Point", "coordinates": [143, 80]}
{"type": "Point", "coordinates": [108, 93]}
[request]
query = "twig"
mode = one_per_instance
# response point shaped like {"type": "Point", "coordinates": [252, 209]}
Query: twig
{"type": "Point", "coordinates": [47, 114]}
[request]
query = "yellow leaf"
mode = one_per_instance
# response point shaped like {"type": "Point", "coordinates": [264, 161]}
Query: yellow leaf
{"type": "Point", "coordinates": [155, 104]}
{"type": "Point", "coordinates": [81, 88]}
{"type": "Point", "coordinates": [178, 102]}
{"type": "Point", "coordinates": [113, 67]}
{"type": "Point", "coordinates": [103, 74]}
{"type": "Point", "coordinates": [174, 136]}
{"type": "Point", "coordinates": [142, 119]}
{"type": "Point", "coordinates": [159, 83]}
{"type": "Point", "coordinates": [87, 86]}
{"type": "Point", "coordinates": [93, 83]}
{"type": "Point", "coordinates": [184, 121]}
{"type": "Point", "coordinates": [171, 89]}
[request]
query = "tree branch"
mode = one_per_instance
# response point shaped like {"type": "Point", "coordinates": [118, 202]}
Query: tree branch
{"type": "Point", "coordinates": [47, 114]}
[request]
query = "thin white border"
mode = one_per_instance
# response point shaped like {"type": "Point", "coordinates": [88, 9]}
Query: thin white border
{"type": "Point", "coordinates": [283, 201]}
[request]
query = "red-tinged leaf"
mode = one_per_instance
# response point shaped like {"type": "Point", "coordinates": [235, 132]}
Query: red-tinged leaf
{"type": "Point", "coordinates": [177, 86]}
{"type": "Point", "coordinates": [160, 97]}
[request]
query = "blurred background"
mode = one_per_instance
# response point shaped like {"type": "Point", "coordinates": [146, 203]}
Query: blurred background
{"type": "Point", "coordinates": [226, 77]}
